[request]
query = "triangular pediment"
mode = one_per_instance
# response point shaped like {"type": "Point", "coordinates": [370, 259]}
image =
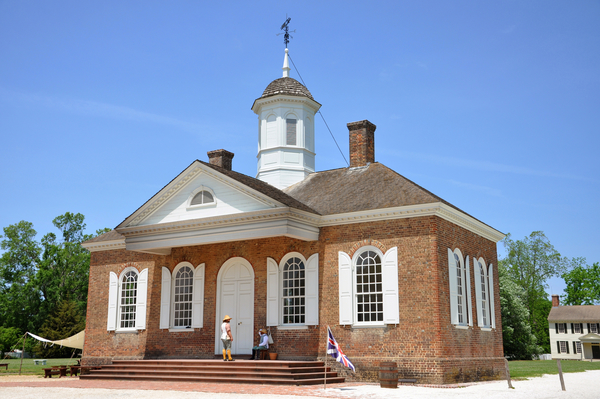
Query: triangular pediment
{"type": "Point", "coordinates": [174, 202]}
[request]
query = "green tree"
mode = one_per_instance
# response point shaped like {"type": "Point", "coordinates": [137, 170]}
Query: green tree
{"type": "Point", "coordinates": [519, 340]}
{"type": "Point", "coordinates": [19, 298]}
{"type": "Point", "coordinates": [583, 284]}
{"type": "Point", "coordinates": [65, 322]}
{"type": "Point", "coordinates": [9, 337]}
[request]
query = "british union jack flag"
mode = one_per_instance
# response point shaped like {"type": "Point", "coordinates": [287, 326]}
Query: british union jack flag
{"type": "Point", "coordinates": [333, 349]}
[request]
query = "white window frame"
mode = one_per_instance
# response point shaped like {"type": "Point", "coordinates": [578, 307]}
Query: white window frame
{"type": "Point", "coordinates": [456, 296]}
{"type": "Point", "coordinates": [114, 299]}
{"type": "Point", "coordinates": [282, 264]}
{"type": "Point", "coordinates": [579, 327]}
{"type": "Point", "coordinates": [167, 298]}
{"type": "Point", "coordinates": [578, 348]}
{"type": "Point", "coordinates": [189, 205]}
{"type": "Point", "coordinates": [562, 328]}
{"type": "Point", "coordinates": [593, 328]}
{"type": "Point", "coordinates": [347, 287]}
{"type": "Point", "coordinates": [484, 282]}
{"type": "Point", "coordinates": [563, 346]}
{"type": "Point", "coordinates": [275, 291]}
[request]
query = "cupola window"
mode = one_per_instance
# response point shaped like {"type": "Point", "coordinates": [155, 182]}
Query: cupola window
{"type": "Point", "coordinates": [290, 132]}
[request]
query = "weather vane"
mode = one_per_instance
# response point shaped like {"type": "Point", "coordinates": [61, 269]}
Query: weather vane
{"type": "Point", "coordinates": [286, 36]}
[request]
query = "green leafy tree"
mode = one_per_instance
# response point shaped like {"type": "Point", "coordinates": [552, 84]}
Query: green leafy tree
{"type": "Point", "coordinates": [519, 340]}
{"type": "Point", "coordinates": [583, 284]}
{"type": "Point", "coordinates": [9, 337]}
{"type": "Point", "coordinates": [65, 322]}
{"type": "Point", "coordinates": [19, 298]}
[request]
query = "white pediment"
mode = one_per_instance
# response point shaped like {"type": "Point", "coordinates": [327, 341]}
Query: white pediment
{"type": "Point", "coordinates": [172, 203]}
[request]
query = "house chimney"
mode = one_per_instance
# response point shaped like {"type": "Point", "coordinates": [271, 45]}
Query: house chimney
{"type": "Point", "coordinates": [555, 301]}
{"type": "Point", "coordinates": [362, 143]}
{"type": "Point", "coordinates": [221, 158]}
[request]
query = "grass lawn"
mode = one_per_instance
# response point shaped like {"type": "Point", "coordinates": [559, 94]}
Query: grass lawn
{"type": "Point", "coordinates": [536, 368]}
{"type": "Point", "coordinates": [30, 368]}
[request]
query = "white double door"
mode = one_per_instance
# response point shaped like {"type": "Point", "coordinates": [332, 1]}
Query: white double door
{"type": "Point", "coordinates": [235, 284]}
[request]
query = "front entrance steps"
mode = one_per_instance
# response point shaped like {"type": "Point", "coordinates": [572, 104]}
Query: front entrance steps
{"type": "Point", "coordinates": [274, 372]}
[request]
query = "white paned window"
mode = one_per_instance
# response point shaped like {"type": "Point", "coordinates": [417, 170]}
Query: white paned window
{"type": "Point", "coordinates": [460, 288]}
{"type": "Point", "coordinates": [294, 291]}
{"type": "Point", "coordinates": [203, 197]}
{"type": "Point", "coordinates": [563, 346]}
{"type": "Point", "coordinates": [577, 347]}
{"type": "Point", "coordinates": [577, 329]}
{"type": "Point", "coordinates": [484, 291]}
{"type": "Point", "coordinates": [183, 284]}
{"type": "Point", "coordinates": [182, 297]}
{"type": "Point", "coordinates": [562, 328]}
{"type": "Point", "coordinates": [594, 328]}
{"type": "Point", "coordinates": [368, 287]}
{"type": "Point", "coordinates": [128, 299]}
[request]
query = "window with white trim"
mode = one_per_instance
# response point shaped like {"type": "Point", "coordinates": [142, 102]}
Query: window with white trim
{"type": "Point", "coordinates": [290, 131]}
{"type": "Point", "coordinates": [127, 296]}
{"type": "Point", "coordinates": [563, 347]}
{"type": "Point", "coordinates": [593, 328]}
{"type": "Point", "coordinates": [182, 297]}
{"type": "Point", "coordinates": [562, 328]}
{"type": "Point", "coordinates": [460, 289]}
{"type": "Point", "coordinates": [293, 291]}
{"type": "Point", "coordinates": [577, 347]}
{"type": "Point", "coordinates": [368, 287]}
{"type": "Point", "coordinates": [201, 197]}
{"type": "Point", "coordinates": [484, 293]}
{"type": "Point", "coordinates": [577, 329]}
{"type": "Point", "coordinates": [128, 299]}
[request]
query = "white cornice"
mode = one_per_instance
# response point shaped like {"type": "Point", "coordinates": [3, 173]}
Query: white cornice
{"type": "Point", "coordinates": [437, 208]}
{"type": "Point", "coordinates": [104, 245]}
{"type": "Point", "coordinates": [283, 221]}
{"type": "Point", "coordinates": [259, 103]}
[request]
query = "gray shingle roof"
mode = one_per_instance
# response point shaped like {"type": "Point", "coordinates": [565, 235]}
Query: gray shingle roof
{"type": "Point", "coordinates": [582, 313]}
{"type": "Point", "coordinates": [110, 236]}
{"type": "Point", "coordinates": [288, 86]}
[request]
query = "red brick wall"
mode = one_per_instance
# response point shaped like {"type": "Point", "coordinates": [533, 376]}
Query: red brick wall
{"type": "Point", "coordinates": [424, 344]}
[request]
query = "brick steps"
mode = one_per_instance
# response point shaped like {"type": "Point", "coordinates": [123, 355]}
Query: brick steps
{"type": "Point", "coordinates": [240, 371]}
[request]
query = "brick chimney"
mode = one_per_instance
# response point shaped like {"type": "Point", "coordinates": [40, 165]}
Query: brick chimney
{"type": "Point", "coordinates": [221, 158]}
{"type": "Point", "coordinates": [555, 301]}
{"type": "Point", "coordinates": [362, 143]}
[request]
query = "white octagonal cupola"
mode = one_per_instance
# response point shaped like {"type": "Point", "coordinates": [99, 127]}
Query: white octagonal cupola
{"type": "Point", "coordinates": [286, 131]}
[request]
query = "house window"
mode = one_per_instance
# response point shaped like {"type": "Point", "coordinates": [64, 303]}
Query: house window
{"type": "Point", "coordinates": [182, 297]}
{"type": "Point", "coordinates": [290, 131]}
{"type": "Point", "coordinates": [368, 287]}
{"type": "Point", "coordinates": [127, 301]}
{"type": "Point", "coordinates": [593, 328]}
{"type": "Point", "coordinates": [369, 293]}
{"type": "Point", "coordinates": [484, 292]}
{"type": "Point", "coordinates": [562, 328]}
{"type": "Point", "coordinates": [576, 347]}
{"type": "Point", "coordinates": [563, 347]}
{"type": "Point", "coordinates": [127, 296]}
{"type": "Point", "coordinates": [460, 288]}
{"type": "Point", "coordinates": [576, 329]}
{"type": "Point", "coordinates": [203, 197]}
{"type": "Point", "coordinates": [293, 291]}
{"type": "Point", "coordinates": [293, 281]}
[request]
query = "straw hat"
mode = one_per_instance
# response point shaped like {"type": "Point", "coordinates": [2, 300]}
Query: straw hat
{"type": "Point", "coordinates": [262, 330]}
{"type": "Point", "coordinates": [226, 318]}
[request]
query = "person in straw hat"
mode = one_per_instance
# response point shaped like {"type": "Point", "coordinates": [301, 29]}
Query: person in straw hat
{"type": "Point", "coordinates": [226, 338]}
{"type": "Point", "coordinates": [262, 346]}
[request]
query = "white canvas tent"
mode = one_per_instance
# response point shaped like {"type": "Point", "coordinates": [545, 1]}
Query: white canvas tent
{"type": "Point", "coordinates": [75, 341]}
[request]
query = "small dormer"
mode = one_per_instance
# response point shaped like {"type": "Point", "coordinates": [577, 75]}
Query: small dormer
{"type": "Point", "coordinates": [286, 131]}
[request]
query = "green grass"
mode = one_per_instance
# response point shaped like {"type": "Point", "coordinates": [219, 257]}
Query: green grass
{"type": "Point", "coordinates": [30, 368]}
{"type": "Point", "coordinates": [536, 368]}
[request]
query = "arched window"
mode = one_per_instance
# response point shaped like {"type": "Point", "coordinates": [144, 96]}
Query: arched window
{"type": "Point", "coordinates": [484, 294]}
{"type": "Point", "coordinates": [183, 285]}
{"type": "Point", "coordinates": [293, 282]}
{"type": "Point", "coordinates": [203, 197]}
{"type": "Point", "coordinates": [460, 288]}
{"type": "Point", "coordinates": [291, 130]}
{"type": "Point", "coordinates": [127, 296]}
{"type": "Point", "coordinates": [128, 299]}
{"type": "Point", "coordinates": [368, 287]}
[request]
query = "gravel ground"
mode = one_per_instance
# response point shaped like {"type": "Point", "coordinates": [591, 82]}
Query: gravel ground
{"type": "Point", "coordinates": [579, 386]}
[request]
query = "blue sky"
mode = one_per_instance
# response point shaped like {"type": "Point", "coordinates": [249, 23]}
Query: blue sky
{"type": "Point", "coordinates": [494, 106]}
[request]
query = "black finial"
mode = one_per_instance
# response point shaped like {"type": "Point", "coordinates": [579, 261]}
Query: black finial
{"type": "Point", "coordinates": [286, 36]}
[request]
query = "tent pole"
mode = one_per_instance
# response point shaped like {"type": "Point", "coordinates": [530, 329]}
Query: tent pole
{"type": "Point", "coordinates": [22, 353]}
{"type": "Point", "coordinates": [326, 356]}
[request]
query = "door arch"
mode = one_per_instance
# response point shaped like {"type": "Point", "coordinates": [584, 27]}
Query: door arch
{"type": "Point", "coordinates": [235, 297]}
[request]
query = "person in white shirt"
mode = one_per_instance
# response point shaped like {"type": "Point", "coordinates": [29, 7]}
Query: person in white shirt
{"type": "Point", "coordinates": [226, 338]}
{"type": "Point", "coordinates": [262, 346]}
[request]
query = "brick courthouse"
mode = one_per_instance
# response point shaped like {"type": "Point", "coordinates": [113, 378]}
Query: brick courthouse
{"type": "Point", "coordinates": [398, 273]}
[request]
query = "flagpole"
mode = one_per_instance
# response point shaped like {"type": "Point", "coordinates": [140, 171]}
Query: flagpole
{"type": "Point", "coordinates": [326, 356]}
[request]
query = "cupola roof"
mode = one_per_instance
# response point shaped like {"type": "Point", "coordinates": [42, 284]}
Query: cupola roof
{"type": "Point", "coordinates": [287, 86]}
